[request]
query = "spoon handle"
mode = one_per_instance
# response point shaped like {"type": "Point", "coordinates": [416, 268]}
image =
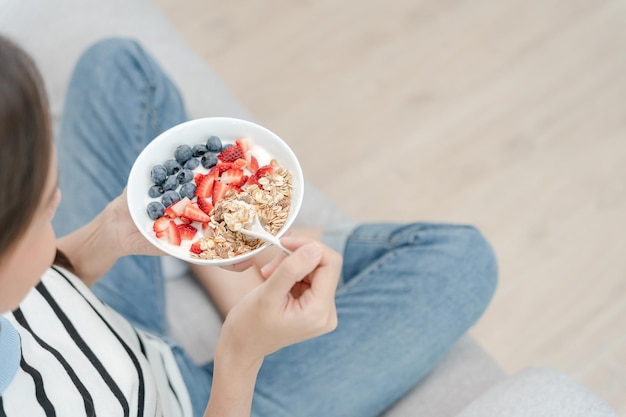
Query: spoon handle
{"type": "Point", "coordinates": [276, 242]}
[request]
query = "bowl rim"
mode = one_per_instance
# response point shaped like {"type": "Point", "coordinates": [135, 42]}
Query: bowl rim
{"type": "Point", "coordinates": [296, 200]}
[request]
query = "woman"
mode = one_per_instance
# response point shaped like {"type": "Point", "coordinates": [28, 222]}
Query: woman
{"type": "Point", "coordinates": [303, 334]}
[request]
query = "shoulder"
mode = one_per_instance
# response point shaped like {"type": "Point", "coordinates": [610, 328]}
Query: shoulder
{"type": "Point", "coordinates": [62, 298]}
{"type": "Point", "coordinates": [61, 283]}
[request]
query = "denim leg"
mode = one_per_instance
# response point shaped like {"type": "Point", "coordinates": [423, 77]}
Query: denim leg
{"type": "Point", "coordinates": [118, 100]}
{"type": "Point", "coordinates": [408, 293]}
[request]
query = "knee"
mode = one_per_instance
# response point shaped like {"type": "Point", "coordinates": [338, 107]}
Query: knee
{"type": "Point", "coordinates": [107, 47]}
{"type": "Point", "coordinates": [464, 269]}
{"type": "Point", "coordinates": [110, 57]}
{"type": "Point", "coordinates": [107, 51]}
{"type": "Point", "coordinates": [474, 255]}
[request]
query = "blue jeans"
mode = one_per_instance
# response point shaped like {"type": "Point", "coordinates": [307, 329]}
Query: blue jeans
{"type": "Point", "coordinates": [407, 293]}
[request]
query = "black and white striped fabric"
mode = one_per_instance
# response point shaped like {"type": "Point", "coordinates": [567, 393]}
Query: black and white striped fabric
{"type": "Point", "coordinates": [81, 358]}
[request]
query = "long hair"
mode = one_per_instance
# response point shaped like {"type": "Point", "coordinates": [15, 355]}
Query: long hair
{"type": "Point", "coordinates": [25, 142]}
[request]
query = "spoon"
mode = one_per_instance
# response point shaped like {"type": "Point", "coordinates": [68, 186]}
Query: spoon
{"type": "Point", "coordinates": [257, 230]}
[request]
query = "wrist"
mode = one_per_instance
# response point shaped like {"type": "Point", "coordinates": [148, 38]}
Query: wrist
{"type": "Point", "coordinates": [232, 358]}
{"type": "Point", "coordinates": [91, 249]}
{"type": "Point", "coordinates": [234, 378]}
{"type": "Point", "coordinates": [107, 232]}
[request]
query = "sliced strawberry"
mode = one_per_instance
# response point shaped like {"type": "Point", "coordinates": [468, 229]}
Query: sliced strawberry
{"type": "Point", "coordinates": [240, 163]}
{"type": "Point", "coordinates": [220, 190]}
{"type": "Point", "coordinates": [252, 180]}
{"type": "Point", "coordinates": [194, 213]}
{"type": "Point", "coordinates": [176, 209]}
{"type": "Point", "coordinates": [253, 164]}
{"type": "Point", "coordinates": [264, 170]}
{"type": "Point", "coordinates": [161, 224]}
{"type": "Point", "coordinates": [185, 220]}
{"type": "Point", "coordinates": [231, 154]}
{"type": "Point", "coordinates": [204, 188]}
{"type": "Point", "coordinates": [198, 178]}
{"type": "Point", "coordinates": [232, 176]}
{"type": "Point", "coordinates": [186, 231]}
{"type": "Point", "coordinates": [173, 235]}
{"type": "Point", "coordinates": [205, 205]}
{"type": "Point", "coordinates": [242, 182]}
{"type": "Point", "coordinates": [195, 248]}
{"type": "Point", "coordinates": [217, 170]}
{"type": "Point", "coordinates": [223, 167]}
{"type": "Point", "coordinates": [244, 144]}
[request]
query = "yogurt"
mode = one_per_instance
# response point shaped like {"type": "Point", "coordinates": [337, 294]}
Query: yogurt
{"type": "Point", "coordinates": [262, 156]}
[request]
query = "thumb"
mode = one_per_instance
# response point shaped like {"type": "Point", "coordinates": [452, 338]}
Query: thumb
{"type": "Point", "coordinates": [294, 268]}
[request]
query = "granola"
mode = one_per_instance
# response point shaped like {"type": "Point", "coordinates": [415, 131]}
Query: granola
{"type": "Point", "coordinates": [270, 199]}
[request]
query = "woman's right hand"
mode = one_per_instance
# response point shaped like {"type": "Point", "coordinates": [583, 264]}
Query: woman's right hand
{"type": "Point", "coordinates": [295, 303]}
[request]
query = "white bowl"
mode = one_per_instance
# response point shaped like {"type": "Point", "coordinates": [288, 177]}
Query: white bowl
{"type": "Point", "coordinates": [195, 132]}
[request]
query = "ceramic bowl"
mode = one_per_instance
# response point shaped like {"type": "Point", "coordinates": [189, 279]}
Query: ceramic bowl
{"type": "Point", "coordinates": [195, 132]}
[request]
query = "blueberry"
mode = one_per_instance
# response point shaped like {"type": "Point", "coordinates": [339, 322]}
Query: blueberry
{"type": "Point", "coordinates": [199, 150]}
{"type": "Point", "coordinates": [185, 176]}
{"type": "Point", "coordinates": [172, 166]}
{"type": "Point", "coordinates": [192, 164]}
{"type": "Point", "coordinates": [171, 183]}
{"type": "Point", "coordinates": [155, 191]}
{"type": "Point", "coordinates": [214, 144]}
{"type": "Point", "coordinates": [209, 160]}
{"type": "Point", "coordinates": [188, 190]}
{"type": "Point", "coordinates": [183, 153]}
{"type": "Point", "coordinates": [155, 210]}
{"type": "Point", "coordinates": [158, 174]}
{"type": "Point", "coordinates": [170, 197]}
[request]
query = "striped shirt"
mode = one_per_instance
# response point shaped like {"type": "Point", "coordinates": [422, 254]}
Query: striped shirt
{"type": "Point", "coordinates": [80, 358]}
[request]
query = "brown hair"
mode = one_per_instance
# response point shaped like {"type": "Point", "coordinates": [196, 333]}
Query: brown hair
{"type": "Point", "coordinates": [25, 142]}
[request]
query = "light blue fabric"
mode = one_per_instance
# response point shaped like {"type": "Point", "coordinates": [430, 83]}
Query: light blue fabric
{"type": "Point", "coordinates": [118, 100]}
{"type": "Point", "coordinates": [9, 352]}
{"type": "Point", "coordinates": [407, 293]}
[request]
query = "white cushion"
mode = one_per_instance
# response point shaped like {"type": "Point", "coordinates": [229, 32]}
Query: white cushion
{"type": "Point", "coordinates": [538, 392]}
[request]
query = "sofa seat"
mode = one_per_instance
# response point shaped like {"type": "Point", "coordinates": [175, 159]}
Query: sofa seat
{"type": "Point", "coordinates": [56, 32]}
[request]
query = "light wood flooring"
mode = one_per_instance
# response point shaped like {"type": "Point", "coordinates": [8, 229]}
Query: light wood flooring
{"type": "Point", "coordinates": [506, 114]}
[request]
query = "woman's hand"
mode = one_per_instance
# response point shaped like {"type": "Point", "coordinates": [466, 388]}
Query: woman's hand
{"type": "Point", "coordinates": [94, 248]}
{"type": "Point", "coordinates": [124, 232]}
{"type": "Point", "coordinates": [296, 302]}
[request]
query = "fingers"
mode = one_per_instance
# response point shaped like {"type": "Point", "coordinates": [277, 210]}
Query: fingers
{"type": "Point", "coordinates": [268, 269]}
{"type": "Point", "coordinates": [309, 255]}
{"type": "Point", "coordinates": [293, 244]}
{"type": "Point", "coordinates": [294, 268]}
{"type": "Point", "coordinates": [324, 282]}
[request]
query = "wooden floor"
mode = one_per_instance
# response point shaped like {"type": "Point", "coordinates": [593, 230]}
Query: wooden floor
{"type": "Point", "coordinates": [507, 114]}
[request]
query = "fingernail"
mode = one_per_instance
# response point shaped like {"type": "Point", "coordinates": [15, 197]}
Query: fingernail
{"type": "Point", "coordinates": [311, 250]}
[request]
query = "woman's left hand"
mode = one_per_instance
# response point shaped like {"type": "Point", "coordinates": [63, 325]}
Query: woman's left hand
{"type": "Point", "coordinates": [124, 232]}
{"type": "Point", "coordinates": [94, 248]}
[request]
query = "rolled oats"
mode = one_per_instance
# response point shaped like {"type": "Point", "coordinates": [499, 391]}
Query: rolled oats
{"type": "Point", "coordinates": [270, 200]}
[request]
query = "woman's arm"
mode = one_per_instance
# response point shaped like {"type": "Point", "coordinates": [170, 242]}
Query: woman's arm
{"type": "Point", "coordinates": [233, 383]}
{"type": "Point", "coordinates": [296, 302]}
{"type": "Point", "coordinates": [94, 248]}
